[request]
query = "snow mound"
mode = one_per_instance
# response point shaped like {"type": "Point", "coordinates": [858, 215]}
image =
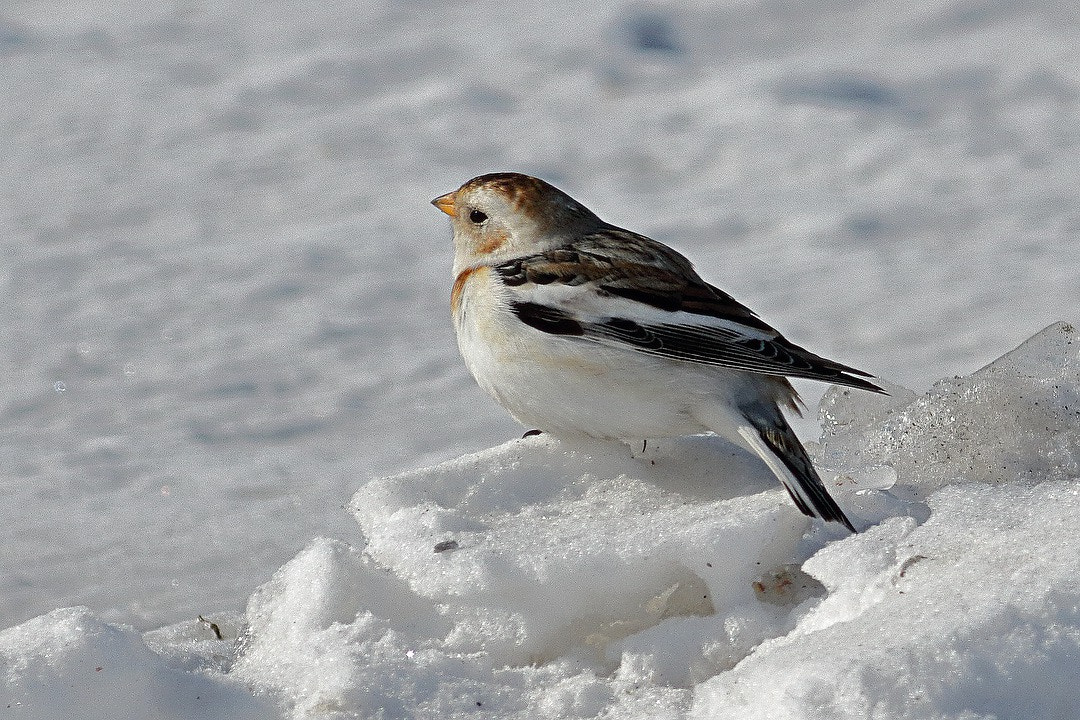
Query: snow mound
{"type": "Point", "coordinates": [545, 579]}
{"type": "Point", "coordinates": [573, 547]}
{"type": "Point", "coordinates": [69, 664]}
{"type": "Point", "coordinates": [971, 615]}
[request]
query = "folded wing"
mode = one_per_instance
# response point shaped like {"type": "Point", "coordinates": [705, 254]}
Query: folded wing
{"type": "Point", "coordinates": [625, 290]}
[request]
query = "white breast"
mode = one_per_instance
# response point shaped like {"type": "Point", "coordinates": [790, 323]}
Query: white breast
{"type": "Point", "coordinates": [566, 385]}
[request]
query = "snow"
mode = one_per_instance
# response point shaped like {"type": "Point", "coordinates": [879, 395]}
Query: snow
{"type": "Point", "coordinates": [538, 579]}
{"type": "Point", "coordinates": [227, 317]}
{"type": "Point", "coordinates": [543, 578]}
{"type": "Point", "coordinates": [971, 614]}
{"type": "Point", "coordinates": [69, 664]}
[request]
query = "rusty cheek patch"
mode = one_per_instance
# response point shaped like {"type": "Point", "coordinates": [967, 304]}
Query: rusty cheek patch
{"type": "Point", "coordinates": [491, 242]}
{"type": "Point", "coordinates": [459, 288]}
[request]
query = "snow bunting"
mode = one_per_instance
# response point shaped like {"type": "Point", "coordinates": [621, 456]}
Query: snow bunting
{"type": "Point", "coordinates": [578, 327]}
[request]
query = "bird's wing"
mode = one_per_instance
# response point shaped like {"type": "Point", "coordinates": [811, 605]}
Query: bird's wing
{"type": "Point", "coordinates": [621, 289]}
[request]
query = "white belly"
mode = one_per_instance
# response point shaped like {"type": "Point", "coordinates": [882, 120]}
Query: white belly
{"type": "Point", "coordinates": [570, 386]}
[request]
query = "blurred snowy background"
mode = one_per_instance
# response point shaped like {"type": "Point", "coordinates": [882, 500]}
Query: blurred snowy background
{"type": "Point", "coordinates": [225, 293]}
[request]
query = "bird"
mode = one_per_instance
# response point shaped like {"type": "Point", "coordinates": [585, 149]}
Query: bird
{"type": "Point", "coordinates": [581, 328]}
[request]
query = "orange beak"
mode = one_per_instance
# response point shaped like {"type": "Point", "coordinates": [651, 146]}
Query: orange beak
{"type": "Point", "coordinates": [446, 203]}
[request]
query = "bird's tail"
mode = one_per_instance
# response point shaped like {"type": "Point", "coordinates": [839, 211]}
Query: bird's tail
{"type": "Point", "coordinates": [776, 443]}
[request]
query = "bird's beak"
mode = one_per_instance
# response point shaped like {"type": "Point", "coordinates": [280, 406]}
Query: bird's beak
{"type": "Point", "coordinates": [446, 203]}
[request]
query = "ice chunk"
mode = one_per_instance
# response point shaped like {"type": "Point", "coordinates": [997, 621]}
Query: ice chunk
{"type": "Point", "coordinates": [1015, 419]}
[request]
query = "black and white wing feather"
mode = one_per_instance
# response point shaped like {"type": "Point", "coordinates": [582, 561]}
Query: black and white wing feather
{"type": "Point", "coordinates": [621, 289]}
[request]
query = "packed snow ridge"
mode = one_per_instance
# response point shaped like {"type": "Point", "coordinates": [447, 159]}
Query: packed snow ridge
{"type": "Point", "coordinates": [542, 579]}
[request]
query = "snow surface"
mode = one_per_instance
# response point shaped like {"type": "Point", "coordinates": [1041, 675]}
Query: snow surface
{"type": "Point", "coordinates": [227, 315]}
{"type": "Point", "coordinates": [547, 579]}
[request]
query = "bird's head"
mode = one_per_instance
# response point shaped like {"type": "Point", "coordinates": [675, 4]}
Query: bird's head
{"type": "Point", "coordinates": [502, 216]}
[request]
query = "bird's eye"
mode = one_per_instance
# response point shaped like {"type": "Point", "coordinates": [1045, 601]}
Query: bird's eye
{"type": "Point", "coordinates": [477, 217]}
